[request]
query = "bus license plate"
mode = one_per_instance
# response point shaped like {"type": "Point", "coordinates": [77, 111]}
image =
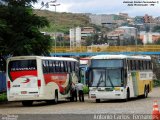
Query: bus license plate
{"type": "Point", "coordinates": [23, 92]}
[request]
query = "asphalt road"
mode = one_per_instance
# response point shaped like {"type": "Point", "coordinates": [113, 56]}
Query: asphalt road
{"type": "Point", "coordinates": [137, 108]}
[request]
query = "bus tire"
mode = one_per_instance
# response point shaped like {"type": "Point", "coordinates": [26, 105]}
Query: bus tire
{"type": "Point", "coordinates": [98, 100]}
{"type": "Point", "coordinates": [145, 92]}
{"type": "Point", "coordinates": [56, 97]}
{"type": "Point", "coordinates": [27, 103]}
{"type": "Point", "coordinates": [127, 95]}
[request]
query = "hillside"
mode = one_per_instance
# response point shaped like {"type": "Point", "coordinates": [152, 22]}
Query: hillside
{"type": "Point", "coordinates": [62, 22]}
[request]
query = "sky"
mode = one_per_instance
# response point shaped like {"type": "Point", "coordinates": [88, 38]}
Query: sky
{"type": "Point", "coordinates": [104, 7]}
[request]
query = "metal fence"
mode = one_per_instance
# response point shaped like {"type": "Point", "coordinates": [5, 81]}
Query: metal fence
{"type": "Point", "coordinates": [138, 48]}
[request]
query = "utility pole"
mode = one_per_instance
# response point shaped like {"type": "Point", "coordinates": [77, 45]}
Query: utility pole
{"type": "Point", "coordinates": [47, 4]}
{"type": "Point", "coordinates": [55, 40]}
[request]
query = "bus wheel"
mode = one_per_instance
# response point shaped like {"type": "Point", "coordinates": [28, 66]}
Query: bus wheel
{"type": "Point", "coordinates": [56, 98]}
{"type": "Point", "coordinates": [98, 100]}
{"type": "Point", "coordinates": [127, 95]}
{"type": "Point", "coordinates": [145, 92]}
{"type": "Point", "coordinates": [27, 103]}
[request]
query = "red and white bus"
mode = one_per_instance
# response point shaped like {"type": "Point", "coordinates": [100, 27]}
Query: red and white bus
{"type": "Point", "coordinates": [35, 78]}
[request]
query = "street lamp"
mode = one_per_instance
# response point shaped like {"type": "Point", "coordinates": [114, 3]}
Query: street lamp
{"type": "Point", "coordinates": [55, 40]}
{"type": "Point", "coordinates": [46, 4]}
{"type": "Point", "coordinates": [55, 5]}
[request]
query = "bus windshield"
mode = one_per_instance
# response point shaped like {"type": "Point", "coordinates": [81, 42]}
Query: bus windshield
{"type": "Point", "coordinates": [106, 73]}
{"type": "Point", "coordinates": [106, 63]}
{"type": "Point", "coordinates": [106, 78]}
{"type": "Point", "coordinates": [22, 65]}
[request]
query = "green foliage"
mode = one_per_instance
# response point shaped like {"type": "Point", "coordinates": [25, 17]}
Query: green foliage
{"type": "Point", "coordinates": [156, 29]}
{"type": "Point", "coordinates": [86, 89]}
{"type": "Point", "coordinates": [139, 42]}
{"type": "Point", "coordinates": [62, 22]}
{"type": "Point", "coordinates": [19, 30]}
{"type": "Point", "coordinates": [156, 83]}
{"type": "Point", "coordinates": [3, 97]}
{"type": "Point", "coordinates": [158, 41]}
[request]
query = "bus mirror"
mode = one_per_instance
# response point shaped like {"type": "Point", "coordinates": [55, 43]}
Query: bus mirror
{"type": "Point", "coordinates": [129, 74]}
{"type": "Point", "coordinates": [125, 75]}
{"type": "Point", "coordinates": [87, 74]}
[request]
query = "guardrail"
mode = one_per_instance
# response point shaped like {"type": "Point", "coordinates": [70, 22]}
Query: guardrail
{"type": "Point", "coordinates": [138, 48]}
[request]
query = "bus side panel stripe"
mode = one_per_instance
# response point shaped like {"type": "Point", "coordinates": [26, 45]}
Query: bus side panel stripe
{"type": "Point", "coordinates": [60, 79]}
{"type": "Point", "coordinates": [16, 74]}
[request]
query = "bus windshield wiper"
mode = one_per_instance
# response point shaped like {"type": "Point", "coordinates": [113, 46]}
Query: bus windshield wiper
{"type": "Point", "coordinates": [100, 79]}
{"type": "Point", "coordinates": [109, 79]}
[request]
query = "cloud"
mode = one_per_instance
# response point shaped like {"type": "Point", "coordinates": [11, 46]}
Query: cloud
{"type": "Point", "coordinates": [105, 7]}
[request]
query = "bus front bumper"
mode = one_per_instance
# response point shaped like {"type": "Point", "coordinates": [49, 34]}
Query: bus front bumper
{"type": "Point", "coordinates": [107, 95]}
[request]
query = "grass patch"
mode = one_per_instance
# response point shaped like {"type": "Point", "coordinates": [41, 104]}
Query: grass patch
{"type": "Point", "coordinates": [156, 83]}
{"type": "Point", "coordinates": [3, 97]}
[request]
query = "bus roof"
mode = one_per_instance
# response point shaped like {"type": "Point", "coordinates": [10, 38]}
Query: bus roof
{"type": "Point", "coordinates": [120, 57]}
{"type": "Point", "coordinates": [42, 57]}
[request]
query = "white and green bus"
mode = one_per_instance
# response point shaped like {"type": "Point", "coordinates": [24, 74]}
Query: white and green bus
{"type": "Point", "coordinates": [119, 77]}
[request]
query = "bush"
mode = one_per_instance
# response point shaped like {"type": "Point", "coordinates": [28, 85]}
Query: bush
{"type": "Point", "coordinates": [3, 97]}
{"type": "Point", "coordinates": [156, 83]}
{"type": "Point", "coordinates": [85, 90]}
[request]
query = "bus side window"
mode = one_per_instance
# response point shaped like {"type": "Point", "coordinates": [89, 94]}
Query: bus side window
{"type": "Point", "coordinates": [56, 66]}
{"type": "Point", "coordinates": [47, 65]}
{"type": "Point", "coordinates": [59, 66]}
{"type": "Point", "coordinates": [62, 66]}
{"type": "Point", "coordinates": [137, 65]}
{"type": "Point", "coordinates": [50, 66]}
{"type": "Point", "coordinates": [53, 66]}
{"type": "Point", "coordinates": [72, 65]}
{"type": "Point", "coordinates": [132, 64]}
{"type": "Point", "coordinates": [145, 65]}
{"type": "Point", "coordinates": [129, 66]}
{"type": "Point", "coordinates": [44, 66]}
{"type": "Point", "coordinates": [75, 66]}
{"type": "Point", "coordinates": [68, 65]}
{"type": "Point", "coordinates": [45, 70]}
{"type": "Point", "coordinates": [140, 65]}
{"type": "Point", "coordinates": [150, 65]}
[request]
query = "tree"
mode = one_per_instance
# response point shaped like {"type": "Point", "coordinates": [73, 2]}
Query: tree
{"type": "Point", "coordinates": [19, 29]}
{"type": "Point", "coordinates": [158, 41]}
{"type": "Point", "coordinates": [156, 29]}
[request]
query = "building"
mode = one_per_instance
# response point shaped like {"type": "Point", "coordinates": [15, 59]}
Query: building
{"type": "Point", "coordinates": [124, 15]}
{"type": "Point", "coordinates": [78, 35]}
{"type": "Point", "coordinates": [75, 37]}
{"type": "Point", "coordinates": [139, 20]}
{"type": "Point", "coordinates": [148, 19]}
{"type": "Point", "coordinates": [103, 20]}
{"type": "Point", "coordinates": [157, 20]}
{"type": "Point", "coordinates": [54, 35]}
{"type": "Point", "coordinates": [123, 36]}
{"type": "Point", "coordinates": [149, 37]}
{"type": "Point", "coordinates": [87, 31]}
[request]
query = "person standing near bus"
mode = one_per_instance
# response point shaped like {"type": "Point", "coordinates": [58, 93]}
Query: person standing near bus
{"type": "Point", "coordinates": [73, 92]}
{"type": "Point", "coordinates": [79, 87]}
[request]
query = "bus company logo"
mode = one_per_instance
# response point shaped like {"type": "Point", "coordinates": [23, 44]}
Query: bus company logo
{"type": "Point", "coordinates": [26, 81]}
{"type": "Point", "coordinates": [23, 69]}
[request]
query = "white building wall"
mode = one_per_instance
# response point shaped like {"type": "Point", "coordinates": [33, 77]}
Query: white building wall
{"type": "Point", "coordinates": [78, 36]}
{"type": "Point", "coordinates": [75, 37]}
{"type": "Point", "coordinates": [72, 37]}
